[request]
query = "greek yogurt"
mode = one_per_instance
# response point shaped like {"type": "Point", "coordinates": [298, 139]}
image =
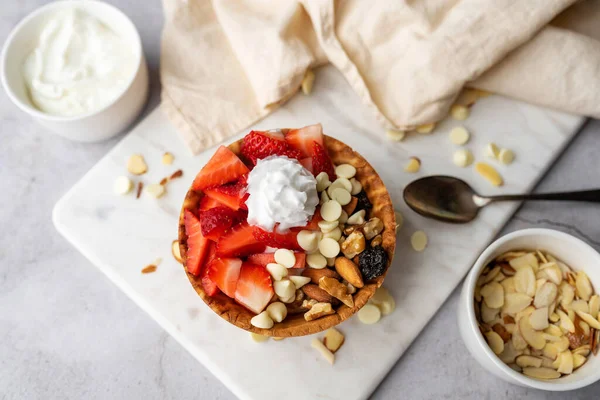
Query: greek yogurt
{"type": "Point", "coordinates": [78, 66]}
{"type": "Point", "coordinates": [281, 192]}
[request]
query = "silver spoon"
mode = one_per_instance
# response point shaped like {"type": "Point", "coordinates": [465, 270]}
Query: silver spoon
{"type": "Point", "coordinates": [450, 199]}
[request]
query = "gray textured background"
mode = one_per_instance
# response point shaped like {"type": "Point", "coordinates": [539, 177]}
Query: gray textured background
{"type": "Point", "coordinates": [67, 332]}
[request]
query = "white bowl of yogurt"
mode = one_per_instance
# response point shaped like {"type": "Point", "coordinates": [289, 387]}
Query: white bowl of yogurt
{"type": "Point", "coordinates": [78, 68]}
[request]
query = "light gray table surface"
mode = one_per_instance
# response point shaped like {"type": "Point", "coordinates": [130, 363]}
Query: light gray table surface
{"type": "Point", "coordinates": [67, 332]}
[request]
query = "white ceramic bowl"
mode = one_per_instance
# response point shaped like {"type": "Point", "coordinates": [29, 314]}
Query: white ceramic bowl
{"type": "Point", "coordinates": [94, 126]}
{"type": "Point", "coordinates": [576, 254]}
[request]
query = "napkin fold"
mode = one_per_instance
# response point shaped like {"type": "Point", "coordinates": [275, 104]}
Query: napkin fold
{"type": "Point", "coordinates": [226, 64]}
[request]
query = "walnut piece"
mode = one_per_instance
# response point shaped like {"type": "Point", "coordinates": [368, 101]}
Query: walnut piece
{"type": "Point", "coordinates": [336, 289]}
{"type": "Point", "coordinates": [354, 244]}
{"type": "Point", "coordinates": [318, 310]}
{"type": "Point", "coordinates": [372, 228]}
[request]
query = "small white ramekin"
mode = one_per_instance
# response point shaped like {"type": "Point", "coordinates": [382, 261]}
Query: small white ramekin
{"type": "Point", "coordinates": [576, 254]}
{"type": "Point", "coordinates": [90, 127]}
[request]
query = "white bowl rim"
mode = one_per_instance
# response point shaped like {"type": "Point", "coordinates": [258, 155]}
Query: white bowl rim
{"type": "Point", "coordinates": [524, 380]}
{"type": "Point", "coordinates": [137, 43]}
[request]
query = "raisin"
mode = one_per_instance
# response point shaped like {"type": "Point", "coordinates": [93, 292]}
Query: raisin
{"type": "Point", "coordinates": [372, 262]}
{"type": "Point", "coordinates": [363, 202]}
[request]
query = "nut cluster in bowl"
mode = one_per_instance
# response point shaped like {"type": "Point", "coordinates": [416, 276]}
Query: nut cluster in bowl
{"type": "Point", "coordinates": [537, 314]}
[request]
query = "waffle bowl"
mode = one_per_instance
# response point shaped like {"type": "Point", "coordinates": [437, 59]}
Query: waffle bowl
{"type": "Point", "coordinates": [295, 325]}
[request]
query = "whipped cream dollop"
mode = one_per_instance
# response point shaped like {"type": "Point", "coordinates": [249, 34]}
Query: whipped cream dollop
{"type": "Point", "coordinates": [79, 65]}
{"type": "Point", "coordinates": [281, 192]}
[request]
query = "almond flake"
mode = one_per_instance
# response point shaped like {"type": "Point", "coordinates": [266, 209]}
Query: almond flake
{"type": "Point", "coordinates": [534, 338]}
{"type": "Point", "coordinates": [493, 295]}
{"type": "Point", "coordinates": [591, 321]}
{"type": "Point", "coordinates": [583, 286]}
{"type": "Point", "coordinates": [525, 281]}
{"type": "Point", "coordinates": [137, 165]}
{"type": "Point", "coordinates": [175, 251]}
{"type": "Point", "coordinates": [489, 173]}
{"type": "Point", "coordinates": [541, 373]}
{"type": "Point", "coordinates": [495, 342]}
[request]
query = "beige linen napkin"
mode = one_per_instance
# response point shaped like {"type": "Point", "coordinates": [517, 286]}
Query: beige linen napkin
{"type": "Point", "coordinates": [225, 64]}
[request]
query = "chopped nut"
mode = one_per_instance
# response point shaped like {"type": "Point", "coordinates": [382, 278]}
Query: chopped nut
{"type": "Point", "coordinates": [333, 339]}
{"type": "Point", "coordinates": [137, 165]}
{"type": "Point", "coordinates": [316, 274]}
{"type": "Point", "coordinates": [414, 164]}
{"type": "Point", "coordinates": [318, 310]}
{"type": "Point", "coordinates": [349, 271]}
{"type": "Point", "coordinates": [354, 244]}
{"type": "Point", "coordinates": [315, 292]}
{"type": "Point", "coordinates": [328, 355]}
{"type": "Point", "coordinates": [167, 158]}
{"type": "Point", "coordinates": [372, 228]}
{"type": "Point", "coordinates": [337, 290]}
{"type": "Point", "coordinates": [377, 241]}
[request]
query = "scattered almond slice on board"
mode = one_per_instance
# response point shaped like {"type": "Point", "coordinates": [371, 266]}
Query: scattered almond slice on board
{"type": "Point", "coordinates": [137, 165]}
{"type": "Point", "coordinates": [325, 352]}
{"type": "Point", "coordinates": [489, 173]}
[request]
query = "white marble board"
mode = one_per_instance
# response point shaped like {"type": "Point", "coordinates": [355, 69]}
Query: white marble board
{"type": "Point", "coordinates": [121, 235]}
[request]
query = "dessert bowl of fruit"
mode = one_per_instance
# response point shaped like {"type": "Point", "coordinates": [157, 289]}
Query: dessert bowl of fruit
{"type": "Point", "coordinates": [286, 232]}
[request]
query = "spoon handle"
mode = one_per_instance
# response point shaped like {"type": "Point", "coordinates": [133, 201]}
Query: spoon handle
{"type": "Point", "coordinates": [584, 195]}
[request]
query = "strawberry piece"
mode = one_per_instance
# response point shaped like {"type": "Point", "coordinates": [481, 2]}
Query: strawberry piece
{"type": "Point", "coordinates": [225, 272]}
{"type": "Point", "coordinates": [233, 195]}
{"type": "Point", "coordinates": [212, 253]}
{"type": "Point", "coordinates": [302, 139]}
{"type": "Point", "coordinates": [313, 224]}
{"type": "Point", "coordinates": [206, 203]}
{"type": "Point", "coordinates": [307, 163]}
{"type": "Point", "coordinates": [254, 287]}
{"type": "Point", "coordinates": [239, 241]}
{"type": "Point", "coordinates": [209, 286]}
{"type": "Point", "coordinates": [216, 221]}
{"type": "Point", "coordinates": [198, 245]}
{"type": "Point", "coordinates": [275, 239]}
{"type": "Point", "coordinates": [267, 258]}
{"type": "Point", "coordinates": [223, 167]}
{"type": "Point", "coordinates": [321, 162]}
{"type": "Point", "coordinates": [258, 145]}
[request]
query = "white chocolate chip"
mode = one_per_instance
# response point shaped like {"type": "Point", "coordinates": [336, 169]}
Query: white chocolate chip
{"type": "Point", "coordinates": [344, 217]}
{"type": "Point", "coordinates": [425, 128]}
{"type": "Point", "coordinates": [418, 241]}
{"type": "Point", "coordinates": [328, 355]}
{"type": "Point", "coordinates": [328, 226]}
{"type": "Point", "coordinates": [258, 338]}
{"type": "Point", "coordinates": [356, 187]}
{"type": "Point", "coordinates": [492, 151]}
{"type": "Point", "coordinates": [329, 247]}
{"type": "Point", "coordinates": [459, 135]}
{"type": "Point", "coordinates": [506, 156]}
{"type": "Point", "coordinates": [414, 165]}
{"type": "Point", "coordinates": [299, 281]}
{"type": "Point", "coordinates": [308, 240]}
{"type": "Point", "coordinates": [342, 196]}
{"type": "Point", "coordinates": [284, 288]}
{"type": "Point", "coordinates": [335, 234]}
{"type": "Point", "coordinates": [395, 135]}
{"type": "Point", "coordinates": [137, 165]}
{"type": "Point", "coordinates": [459, 112]}
{"type": "Point", "coordinates": [369, 314]}
{"type": "Point", "coordinates": [357, 218]}
{"type": "Point", "coordinates": [277, 271]}
{"type": "Point", "coordinates": [167, 158]}
{"type": "Point", "coordinates": [155, 190]}
{"type": "Point", "coordinates": [345, 171]}
{"type": "Point", "coordinates": [262, 321]}
{"type": "Point", "coordinates": [324, 197]}
{"type": "Point", "coordinates": [285, 257]}
{"type": "Point", "coordinates": [277, 311]}
{"type": "Point", "coordinates": [322, 181]}
{"type": "Point", "coordinates": [122, 185]}
{"type": "Point", "coordinates": [342, 182]}
{"type": "Point", "coordinates": [316, 260]}
{"type": "Point", "coordinates": [462, 158]}
{"type": "Point", "coordinates": [308, 81]}
{"type": "Point", "coordinates": [331, 210]}
{"type": "Point", "coordinates": [288, 300]}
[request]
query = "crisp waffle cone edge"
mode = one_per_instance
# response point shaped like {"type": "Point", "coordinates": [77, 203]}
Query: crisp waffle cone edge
{"type": "Point", "coordinates": [295, 325]}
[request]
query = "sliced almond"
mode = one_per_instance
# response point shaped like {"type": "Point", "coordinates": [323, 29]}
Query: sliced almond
{"type": "Point", "coordinates": [525, 281]}
{"type": "Point", "coordinates": [534, 338]}
{"type": "Point", "coordinates": [524, 313]}
{"type": "Point", "coordinates": [583, 286]}
{"type": "Point", "coordinates": [327, 355]}
{"type": "Point", "coordinates": [554, 330]}
{"type": "Point", "coordinates": [579, 305]}
{"type": "Point", "coordinates": [175, 251]}
{"type": "Point", "coordinates": [565, 322]}
{"type": "Point", "coordinates": [545, 295]}
{"type": "Point", "coordinates": [539, 319]}
{"type": "Point", "coordinates": [583, 350]}
{"type": "Point", "coordinates": [495, 342]}
{"type": "Point", "coordinates": [493, 295]}
{"type": "Point", "coordinates": [566, 363]}
{"type": "Point", "coordinates": [528, 361]}
{"type": "Point", "coordinates": [509, 285]}
{"type": "Point", "coordinates": [594, 306]}
{"type": "Point", "coordinates": [552, 272]}
{"type": "Point", "coordinates": [413, 165]}
{"type": "Point", "coordinates": [517, 340]}
{"type": "Point", "coordinates": [307, 84]}
{"type": "Point", "coordinates": [490, 276]}
{"type": "Point", "coordinates": [591, 321]}
{"type": "Point", "coordinates": [333, 339]}
{"type": "Point", "coordinates": [578, 360]}
{"type": "Point", "coordinates": [568, 294]}
{"type": "Point", "coordinates": [136, 164]}
{"type": "Point", "coordinates": [510, 353]}
{"type": "Point", "coordinates": [528, 259]}
{"type": "Point", "coordinates": [515, 302]}
{"type": "Point", "coordinates": [488, 314]}
{"type": "Point", "coordinates": [541, 373]}
{"type": "Point", "coordinates": [489, 173]}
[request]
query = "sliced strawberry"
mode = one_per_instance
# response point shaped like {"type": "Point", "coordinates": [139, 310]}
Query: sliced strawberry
{"type": "Point", "coordinates": [275, 239]}
{"type": "Point", "coordinates": [267, 258]}
{"type": "Point", "coordinates": [258, 145]}
{"type": "Point", "coordinates": [254, 287]}
{"type": "Point", "coordinates": [209, 286]}
{"type": "Point", "coordinates": [216, 221]}
{"type": "Point", "coordinates": [198, 245]}
{"type": "Point", "coordinates": [321, 162]}
{"type": "Point", "coordinates": [233, 195]}
{"type": "Point", "coordinates": [225, 272]}
{"type": "Point", "coordinates": [307, 163]}
{"type": "Point", "coordinates": [302, 139]}
{"type": "Point", "coordinates": [206, 203]}
{"type": "Point", "coordinates": [313, 224]}
{"type": "Point", "coordinates": [239, 241]}
{"type": "Point", "coordinates": [223, 167]}
{"type": "Point", "coordinates": [212, 253]}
